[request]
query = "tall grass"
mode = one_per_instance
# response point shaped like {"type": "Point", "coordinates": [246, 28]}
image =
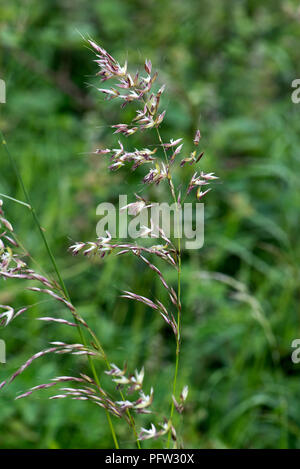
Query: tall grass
{"type": "Point", "coordinates": [137, 89]}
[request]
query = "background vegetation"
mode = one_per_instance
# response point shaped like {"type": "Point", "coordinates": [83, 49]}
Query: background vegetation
{"type": "Point", "coordinates": [228, 66]}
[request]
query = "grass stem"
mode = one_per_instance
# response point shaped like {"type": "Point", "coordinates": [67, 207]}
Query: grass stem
{"type": "Point", "coordinates": [178, 338]}
{"type": "Point", "coordinates": [55, 266]}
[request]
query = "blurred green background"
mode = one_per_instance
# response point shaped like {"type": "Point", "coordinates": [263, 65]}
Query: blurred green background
{"type": "Point", "coordinates": [228, 66]}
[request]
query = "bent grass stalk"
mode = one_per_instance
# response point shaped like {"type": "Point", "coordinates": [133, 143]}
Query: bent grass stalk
{"type": "Point", "coordinates": [60, 279]}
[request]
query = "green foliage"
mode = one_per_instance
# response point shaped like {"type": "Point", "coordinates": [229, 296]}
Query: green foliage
{"type": "Point", "coordinates": [228, 71]}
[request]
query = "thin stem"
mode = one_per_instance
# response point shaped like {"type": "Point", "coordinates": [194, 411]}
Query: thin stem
{"type": "Point", "coordinates": [62, 284]}
{"type": "Point", "coordinates": [76, 315]}
{"type": "Point", "coordinates": [33, 212]}
{"type": "Point", "coordinates": [131, 419]}
{"type": "Point", "coordinates": [178, 337]}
